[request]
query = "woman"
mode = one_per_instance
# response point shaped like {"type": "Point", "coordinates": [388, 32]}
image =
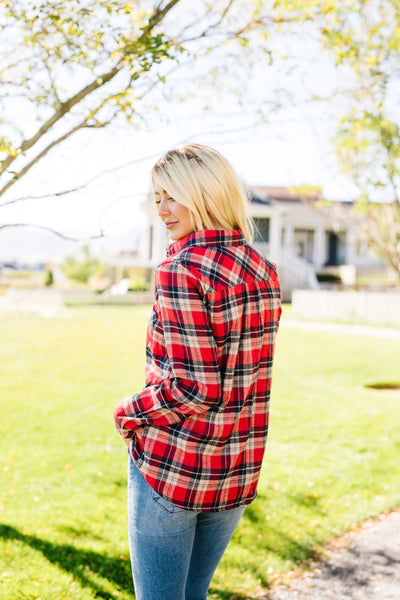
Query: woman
{"type": "Point", "coordinates": [197, 431]}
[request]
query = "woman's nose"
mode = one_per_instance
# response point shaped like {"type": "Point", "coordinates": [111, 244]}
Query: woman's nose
{"type": "Point", "coordinates": [163, 207]}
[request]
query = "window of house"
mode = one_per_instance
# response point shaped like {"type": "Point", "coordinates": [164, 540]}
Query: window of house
{"type": "Point", "coordinates": [335, 248]}
{"type": "Point", "coordinates": [304, 244]}
{"type": "Point", "coordinates": [261, 229]}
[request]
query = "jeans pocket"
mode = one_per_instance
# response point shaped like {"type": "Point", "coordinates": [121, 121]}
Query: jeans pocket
{"type": "Point", "coordinates": [164, 505]}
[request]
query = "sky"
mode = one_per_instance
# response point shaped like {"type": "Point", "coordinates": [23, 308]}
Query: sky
{"type": "Point", "coordinates": [293, 150]}
{"type": "Point", "coordinates": [112, 165]}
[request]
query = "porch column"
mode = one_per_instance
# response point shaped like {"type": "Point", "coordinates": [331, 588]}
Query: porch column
{"type": "Point", "coordinates": [319, 256]}
{"type": "Point", "coordinates": [160, 242]}
{"type": "Point", "coordinates": [288, 238]}
{"type": "Point", "coordinates": [275, 237]}
{"type": "Point", "coordinates": [351, 250]}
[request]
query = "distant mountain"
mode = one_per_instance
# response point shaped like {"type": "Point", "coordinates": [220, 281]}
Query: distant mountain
{"type": "Point", "coordinates": [30, 246]}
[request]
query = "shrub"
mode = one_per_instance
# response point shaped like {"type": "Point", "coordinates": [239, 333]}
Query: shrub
{"type": "Point", "coordinates": [83, 270]}
{"type": "Point", "coordinates": [329, 278]}
{"type": "Point", "coordinates": [48, 277]}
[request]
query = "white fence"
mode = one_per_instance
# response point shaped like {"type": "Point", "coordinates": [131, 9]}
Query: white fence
{"type": "Point", "coordinates": [373, 307]}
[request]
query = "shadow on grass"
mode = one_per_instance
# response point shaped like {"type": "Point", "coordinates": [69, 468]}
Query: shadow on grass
{"type": "Point", "coordinates": [226, 595]}
{"type": "Point", "coordinates": [75, 533]}
{"type": "Point", "coordinates": [83, 565]}
{"type": "Point", "coordinates": [261, 538]}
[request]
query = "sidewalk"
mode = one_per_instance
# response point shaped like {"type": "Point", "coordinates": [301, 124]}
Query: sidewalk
{"type": "Point", "coordinates": [361, 330]}
{"type": "Point", "coordinates": [364, 566]}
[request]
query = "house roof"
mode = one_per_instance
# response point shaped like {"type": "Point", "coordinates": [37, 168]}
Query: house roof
{"type": "Point", "coordinates": [258, 198]}
{"type": "Point", "coordinates": [287, 194]}
{"type": "Point", "coordinates": [303, 207]}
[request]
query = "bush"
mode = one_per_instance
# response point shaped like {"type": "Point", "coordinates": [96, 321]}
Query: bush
{"type": "Point", "coordinates": [139, 284]}
{"type": "Point", "coordinates": [48, 277]}
{"type": "Point", "coordinates": [83, 270]}
{"type": "Point", "coordinates": [329, 278]}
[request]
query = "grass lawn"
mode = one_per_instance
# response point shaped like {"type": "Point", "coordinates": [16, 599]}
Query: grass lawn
{"type": "Point", "coordinates": [332, 458]}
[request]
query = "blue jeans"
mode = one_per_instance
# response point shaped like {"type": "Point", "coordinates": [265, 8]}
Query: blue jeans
{"type": "Point", "coordinates": [174, 552]}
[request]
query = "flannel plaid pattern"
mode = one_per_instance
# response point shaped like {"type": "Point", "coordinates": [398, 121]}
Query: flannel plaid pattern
{"type": "Point", "coordinates": [199, 426]}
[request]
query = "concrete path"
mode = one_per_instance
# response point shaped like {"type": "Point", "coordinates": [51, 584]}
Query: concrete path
{"type": "Point", "coordinates": [364, 566]}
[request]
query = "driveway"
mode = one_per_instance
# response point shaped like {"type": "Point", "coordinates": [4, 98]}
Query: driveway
{"type": "Point", "coordinates": [362, 565]}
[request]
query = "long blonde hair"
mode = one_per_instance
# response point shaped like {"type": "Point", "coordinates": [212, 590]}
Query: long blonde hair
{"type": "Point", "coordinates": [201, 179]}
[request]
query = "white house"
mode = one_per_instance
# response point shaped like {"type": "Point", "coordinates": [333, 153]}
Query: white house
{"type": "Point", "coordinates": [301, 236]}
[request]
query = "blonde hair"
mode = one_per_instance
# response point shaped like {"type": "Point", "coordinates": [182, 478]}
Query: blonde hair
{"type": "Point", "coordinates": [201, 179]}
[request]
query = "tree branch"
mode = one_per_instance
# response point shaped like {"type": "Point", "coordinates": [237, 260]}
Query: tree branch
{"type": "Point", "coordinates": [249, 26]}
{"type": "Point", "coordinates": [66, 106]}
{"type": "Point", "coordinates": [39, 156]}
{"type": "Point", "coordinates": [54, 231]}
{"type": "Point", "coordinates": [158, 16]}
{"type": "Point", "coordinates": [83, 185]}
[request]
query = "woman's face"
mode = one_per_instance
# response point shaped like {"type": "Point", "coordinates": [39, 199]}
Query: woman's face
{"type": "Point", "coordinates": [174, 215]}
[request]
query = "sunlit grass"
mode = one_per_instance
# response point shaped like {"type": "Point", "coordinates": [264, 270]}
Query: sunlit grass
{"type": "Point", "coordinates": [332, 456]}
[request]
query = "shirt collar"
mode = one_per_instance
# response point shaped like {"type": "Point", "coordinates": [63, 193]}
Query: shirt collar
{"type": "Point", "coordinates": [209, 238]}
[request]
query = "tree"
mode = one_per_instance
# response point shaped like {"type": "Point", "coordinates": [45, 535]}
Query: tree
{"type": "Point", "coordinates": [48, 277]}
{"type": "Point", "coordinates": [365, 39]}
{"type": "Point", "coordinates": [81, 65]}
{"type": "Point", "coordinates": [83, 270]}
{"type": "Point", "coordinates": [84, 64]}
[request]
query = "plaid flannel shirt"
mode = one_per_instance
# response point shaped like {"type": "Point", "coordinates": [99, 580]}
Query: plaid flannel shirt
{"type": "Point", "coordinates": [199, 426]}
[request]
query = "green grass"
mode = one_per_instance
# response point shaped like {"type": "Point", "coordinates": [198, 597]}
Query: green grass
{"type": "Point", "coordinates": [332, 457]}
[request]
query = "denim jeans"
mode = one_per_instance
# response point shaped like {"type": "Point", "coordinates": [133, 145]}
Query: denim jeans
{"type": "Point", "coordinates": [174, 552]}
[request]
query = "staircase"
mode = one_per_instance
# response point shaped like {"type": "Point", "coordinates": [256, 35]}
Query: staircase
{"type": "Point", "coordinates": [295, 273]}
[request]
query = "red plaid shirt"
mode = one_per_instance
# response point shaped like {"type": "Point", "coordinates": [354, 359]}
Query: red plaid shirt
{"type": "Point", "coordinates": [200, 425]}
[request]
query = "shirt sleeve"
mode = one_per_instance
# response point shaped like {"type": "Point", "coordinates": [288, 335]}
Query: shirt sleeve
{"type": "Point", "coordinates": [185, 336]}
